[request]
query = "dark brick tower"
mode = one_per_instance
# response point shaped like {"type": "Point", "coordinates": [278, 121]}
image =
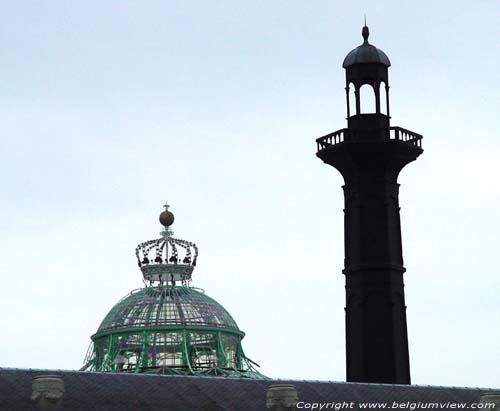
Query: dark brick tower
{"type": "Point", "coordinates": [369, 154]}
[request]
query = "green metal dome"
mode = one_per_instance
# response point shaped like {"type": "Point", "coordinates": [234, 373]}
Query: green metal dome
{"type": "Point", "coordinates": [169, 327]}
{"type": "Point", "coordinates": [169, 330]}
{"type": "Point", "coordinates": [167, 306]}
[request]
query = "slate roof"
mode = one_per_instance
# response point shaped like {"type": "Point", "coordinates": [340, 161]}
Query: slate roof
{"type": "Point", "coordinates": [115, 391]}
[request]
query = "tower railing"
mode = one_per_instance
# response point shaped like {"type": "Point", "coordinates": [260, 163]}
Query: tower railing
{"type": "Point", "coordinates": [332, 139]}
{"type": "Point", "coordinates": [395, 133]}
{"type": "Point", "coordinates": [402, 134]}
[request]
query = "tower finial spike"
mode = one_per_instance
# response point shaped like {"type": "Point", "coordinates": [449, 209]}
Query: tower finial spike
{"type": "Point", "coordinates": [365, 33]}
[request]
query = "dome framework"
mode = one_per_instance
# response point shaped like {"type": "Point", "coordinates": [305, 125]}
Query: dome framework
{"type": "Point", "coordinates": [166, 328]}
{"type": "Point", "coordinates": [169, 330]}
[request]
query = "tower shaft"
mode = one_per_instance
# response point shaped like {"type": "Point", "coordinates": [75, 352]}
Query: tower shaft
{"type": "Point", "coordinates": [376, 332]}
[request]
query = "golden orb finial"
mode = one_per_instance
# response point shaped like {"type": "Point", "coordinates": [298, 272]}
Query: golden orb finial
{"type": "Point", "coordinates": [166, 218]}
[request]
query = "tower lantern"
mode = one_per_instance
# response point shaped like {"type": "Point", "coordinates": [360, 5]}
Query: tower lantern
{"type": "Point", "coordinates": [367, 65]}
{"type": "Point", "coordinates": [369, 154]}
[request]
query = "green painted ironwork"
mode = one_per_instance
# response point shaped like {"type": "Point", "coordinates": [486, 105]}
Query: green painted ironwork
{"type": "Point", "coordinates": [169, 330]}
{"type": "Point", "coordinates": [174, 327]}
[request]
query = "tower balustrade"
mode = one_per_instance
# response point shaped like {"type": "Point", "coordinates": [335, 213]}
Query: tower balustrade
{"type": "Point", "coordinates": [395, 133]}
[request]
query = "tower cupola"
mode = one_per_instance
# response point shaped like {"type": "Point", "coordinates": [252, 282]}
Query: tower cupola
{"type": "Point", "coordinates": [367, 89]}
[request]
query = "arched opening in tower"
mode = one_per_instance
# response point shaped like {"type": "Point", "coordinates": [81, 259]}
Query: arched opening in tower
{"type": "Point", "coordinates": [367, 99]}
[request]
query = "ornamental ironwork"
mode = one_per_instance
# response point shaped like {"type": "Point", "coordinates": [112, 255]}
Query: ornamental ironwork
{"type": "Point", "coordinates": [168, 326]}
{"type": "Point", "coordinates": [167, 259]}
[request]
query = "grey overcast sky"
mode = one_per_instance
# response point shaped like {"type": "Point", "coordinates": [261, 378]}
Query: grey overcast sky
{"type": "Point", "coordinates": [108, 108]}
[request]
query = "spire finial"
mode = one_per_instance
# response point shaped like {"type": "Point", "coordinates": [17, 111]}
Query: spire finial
{"type": "Point", "coordinates": [365, 33]}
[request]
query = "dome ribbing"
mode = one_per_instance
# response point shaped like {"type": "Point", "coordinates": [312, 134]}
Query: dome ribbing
{"type": "Point", "coordinates": [366, 53]}
{"type": "Point", "coordinates": [167, 307]}
{"type": "Point", "coordinates": [169, 327]}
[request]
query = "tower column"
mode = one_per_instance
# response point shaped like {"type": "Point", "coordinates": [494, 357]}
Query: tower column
{"type": "Point", "coordinates": [376, 89]}
{"type": "Point", "coordinates": [376, 336]}
{"type": "Point", "coordinates": [347, 101]}
{"type": "Point", "coordinates": [370, 155]}
{"type": "Point", "coordinates": [358, 101]}
{"type": "Point", "coordinates": [387, 100]}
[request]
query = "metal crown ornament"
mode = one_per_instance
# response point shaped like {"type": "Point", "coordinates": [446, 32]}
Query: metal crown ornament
{"type": "Point", "coordinates": [160, 260]}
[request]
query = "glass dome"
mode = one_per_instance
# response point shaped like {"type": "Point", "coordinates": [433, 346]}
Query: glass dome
{"type": "Point", "coordinates": [169, 327]}
{"type": "Point", "coordinates": [167, 306]}
{"type": "Point", "coordinates": [169, 330]}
